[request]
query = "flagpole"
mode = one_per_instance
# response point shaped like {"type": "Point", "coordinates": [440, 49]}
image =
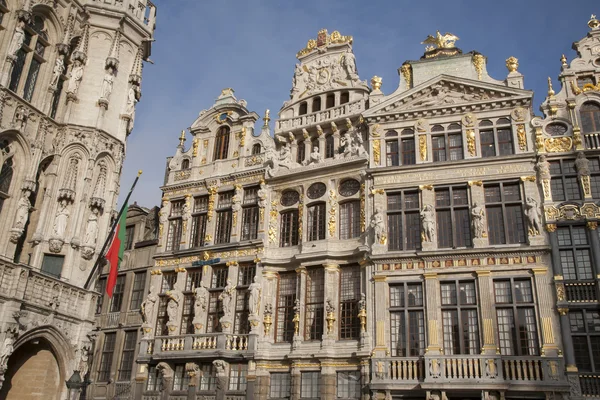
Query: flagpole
{"type": "Point", "coordinates": [110, 234]}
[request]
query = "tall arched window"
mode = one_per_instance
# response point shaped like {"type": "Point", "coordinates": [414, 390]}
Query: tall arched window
{"type": "Point", "coordinates": [301, 152]}
{"type": "Point", "coordinates": [317, 220]}
{"type": "Point", "coordinates": [303, 108]}
{"type": "Point", "coordinates": [185, 164]}
{"type": "Point", "coordinates": [329, 146]}
{"type": "Point", "coordinates": [316, 105]}
{"type": "Point", "coordinates": [30, 58]}
{"type": "Point", "coordinates": [590, 117]}
{"type": "Point", "coordinates": [330, 100]}
{"type": "Point", "coordinates": [6, 173]}
{"type": "Point", "coordinates": [256, 149]}
{"type": "Point", "coordinates": [222, 143]}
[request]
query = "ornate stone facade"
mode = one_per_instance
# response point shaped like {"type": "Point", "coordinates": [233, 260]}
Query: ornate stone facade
{"type": "Point", "coordinates": [62, 148]}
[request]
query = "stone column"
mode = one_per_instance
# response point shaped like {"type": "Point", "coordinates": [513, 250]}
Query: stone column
{"type": "Point", "coordinates": [545, 306]}
{"type": "Point", "coordinates": [428, 200]}
{"type": "Point", "coordinates": [186, 226]}
{"type": "Point", "coordinates": [434, 313]}
{"type": "Point", "coordinates": [269, 307]}
{"type": "Point", "coordinates": [296, 378]}
{"type": "Point", "coordinates": [294, 149]}
{"type": "Point", "coordinates": [381, 316]}
{"type": "Point", "coordinates": [332, 302]}
{"type": "Point", "coordinates": [488, 319]}
{"type": "Point", "coordinates": [328, 382]}
{"type": "Point", "coordinates": [251, 385]}
{"type": "Point", "coordinates": [322, 142]}
{"type": "Point", "coordinates": [365, 376]}
{"type": "Point", "coordinates": [595, 244]}
{"type": "Point", "coordinates": [478, 201]}
{"type": "Point", "coordinates": [336, 143]}
{"type": "Point", "coordinates": [211, 215]}
{"type": "Point", "coordinates": [236, 215]}
{"type": "Point", "coordinates": [301, 297]}
{"type": "Point", "coordinates": [262, 385]}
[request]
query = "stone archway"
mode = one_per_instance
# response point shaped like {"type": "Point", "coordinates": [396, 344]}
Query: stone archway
{"type": "Point", "coordinates": [33, 373]}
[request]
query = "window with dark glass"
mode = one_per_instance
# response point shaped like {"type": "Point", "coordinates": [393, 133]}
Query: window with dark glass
{"type": "Point", "coordinates": [222, 143]}
{"type": "Point", "coordinates": [408, 151]}
{"type": "Point", "coordinates": [237, 377]}
{"type": "Point", "coordinates": [52, 265]}
{"type": "Point", "coordinates": [153, 379]}
{"type": "Point", "coordinates": [185, 164]}
{"type": "Point", "coordinates": [301, 152]}
{"type": "Point", "coordinates": [594, 176]}
{"type": "Point", "coordinates": [192, 281]}
{"type": "Point", "coordinates": [556, 129]}
{"type": "Point", "coordinates": [117, 298]}
{"type": "Point", "coordinates": [289, 228]}
{"type": "Point", "coordinates": [453, 217]}
{"type": "Point", "coordinates": [289, 198]}
{"type": "Point", "coordinates": [316, 221]}
{"type": "Point", "coordinates": [329, 146]}
{"type": "Point", "coordinates": [280, 387]}
{"type": "Point", "coordinates": [316, 104]}
{"type": "Point", "coordinates": [349, 187]}
{"type": "Point", "coordinates": [348, 385]}
{"type": "Point", "coordinates": [101, 289]}
{"type": "Point", "coordinates": [30, 58]}
{"type": "Point", "coordinates": [310, 385]}
{"type": "Point", "coordinates": [199, 219]}
{"type": "Point", "coordinates": [316, 190]}
{"type": "Point", "coordinates": [344, 98]}
{"type": "Point", "coordinates": [447, 143]}
{"type": "Point", "coordinates": [256, 149]}
{"type": "Point", "coordinates": [330, 100]}
{"type": "Point", "coordinates": [349, 299]}
{"type": "Point", "coordinates": [246, 273]}
{"type": "Point", "coordinates": [496, 139]}
{"type": "Point", "coordinates": [137, 291]}
{"type": "Point", "coordinates": [181, 379]}
{"type": "Point", "coordinates": [515, 314]}
{"type": "Point", "coordinates": [224, 218]}
{"type": "Point", "coordinates": [575, 255]}
{"type": "Point", "coordinates": [167, 283]}
{"type": "Point", "coordinates": [215, 308]}
{"type": "Point", "coordinates": [127, 356]}
{"type": "Point", "coordinates": [208, 378]}
{"type": "Point", "coordinates": [129, 231]}
{"type": "Point", "coordinates": [315, 289]}
{"type": "Point", "coordinates": [564, 183]}
{"type": "Point", "coordinates": [350, 219]}
{"type": "Point", "coordinates": [284, 314]}
{"type": "Point", "coordinates": [504, 209]}
{"type": "Point", "coordinates": [6, 173]}
{"type": "Point", "coordinates": [585, 333]}
{"type": "Point", "coordinates": [393, 158]}
{"type": "Point", "coordinates": [403, 221]}
{"type": "Point", "coordinates": [3, 10]}
{"type": "Point", "coordinates": [590, 117]}
{"type": "Point", "coordinates": [407, 320]}
{"type": "Point", "coordinates": [106, 358]}
{"type": "Point", "coordinates": [250, 214]}
{"type": "Point", "coordinates": [460, 318]}
{"type": "Point", "coordinates": [303, 108]}
{"type": "Point", "coordinates": [175, 226]}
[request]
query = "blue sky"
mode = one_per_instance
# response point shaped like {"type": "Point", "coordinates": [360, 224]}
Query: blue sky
{"type": "Point", "coordinates": [203, 46]}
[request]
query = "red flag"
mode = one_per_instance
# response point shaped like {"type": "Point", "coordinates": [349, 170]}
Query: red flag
{"type": "Point", "coordinates": [114, 255]}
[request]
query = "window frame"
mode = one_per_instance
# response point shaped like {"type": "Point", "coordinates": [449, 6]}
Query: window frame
{"type": "Point", "coordinates": [199, 221]}
{"type": "Point", "coordinates": [127, 356]}
{"type": "Point", "coordinates": [316, 224]}
{"type": "Point", "coordinates": [564, 181]}
{"type": "Point", "coordinates": [280, 389]}
{"type": "Point", "coordinates": [449, 150]}
{"type": "Point", "coordinates": [594, 117]}
{"type": "Point", "coordinates": [137, 290]}
{"type": "Point", "coordinates": [405, 309]}
{"type": "Point", "coordinates": [504, 204]}
{"type": "Point", "coordinates": [349, 226]}
{"type": "Point", "coordinates": [459, 232]}
{"type": "Point", "coordinates": [593, 358]}
{"type": "Point", "coordinates": [284, 308]}
{"type": "Point", "coordinates": [458, 307]}
{"type": "Point", "coordinates": [397, 225]}
{"type": "Point", "coordinates": [106, 357]}
{"type": "Point", "coordinates": [349, 298]}
{"type": "Point", "coordinates": [495, 127]}
{"type": "Point", "coordinates": [575, 248]}
{"type": "Point", "coordinates": [289, 235]}
{"type": "Point", "coordinates": [222, 139]}
{"type": "Point", "coordinates": [314, 304]}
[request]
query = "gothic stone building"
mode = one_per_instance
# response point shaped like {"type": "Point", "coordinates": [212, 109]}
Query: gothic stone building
{"type": "Point", "coordinates": [437, 242]}
{"type": "Point", "coordinates": [69, 82]}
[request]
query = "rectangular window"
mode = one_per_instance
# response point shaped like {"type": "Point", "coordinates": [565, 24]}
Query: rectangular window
{"type": "Point", "coordinates": [349, 298]}
{"type": "Point", "coordinates": [101, 289]}
{"type": "Point", "coordinates": [34, 70]}
{"type": "Point", "coordinates": [392, 153]}
{"type": "Point", "coordinates": [408, 151]}
{"type": "Point", "coordinates": [348, 385]}
{"type": "Point", "coordinates": [106, 357]}
{"type": "Point", "coordinates": [246, 273]}
{"type": "Point", "coordinates": [162, 318]}
{"type": "Point", "coordinates": [515, 314]}
{"type": "Point", "coordinates": [187, 315]}
{"type": "Point", "coordinates": [585, 331]}
{"type": "Point", "coordinates": [117, 298]}
{"type": "Point", "coordinates": [153, 378]}
{"type": "Point", "coordinates": [280, 386]}
{"type": "Point", "coordinates": [301, 154]}
{"type": "Point", "coordinates": [496, 139]}
{"type": "Point", "coordinates": [222, 143]}
{"type": "Point", "coordinates": [564, 183]}
{"type": "Point", "coordinates": [193, 279]}
{"type": "Point", "coordinates": [315, 289]}
{"type": "Point", "coordinates": [208, 378]}
{"type": "Point", "coordinates": [17, 71]}
{"type": "Point", "coordinates": [174, 234]}
{"type": "Point", "coordinates": [168, 281]}
{"type": "Point", "coordinates": [237, 377]}
{"type": "Point", "coordinates": [250, 222]}
{"type": "Point", "coordinates": [407, 327]}
{"type": "Point", "coordinates": [316, 222]}
{"type": "Point", "coordinates": [181, 379]}
{"type": "Point", "coordinates": [199, 219]}
{"type": "Point", "coordinates": [286, 299]}
{"type": "Point", "coordinates": [310, 385]}
{"type": "Point", "coordinates": [129, 231]}
{"type": "Point", "coordinates": [460, 318]}
{"type": "Point", "coordinates": [52, 265]}
{"type": "Point", "coordinates": [223, 233]}
{"type": "Point", "coordinates": [215, 308]}
{"type": "Point", "coordinates": [575, 253]}
{"type": "Point", "coordinates": [289, 228]}
{"type": "Point", "coordinates": [438, 144]}
{"type": "Point", "coordinates": [504, 211]}
{"type": "Point", "coordinates": [128, 356]}
{"type": "Point", "coordinates": [137, 292]}
{"type": "Point", "coordinates": [350, 220]}
{"type": "Point", "coordinates": [404, 227]}
{"type": "Point", "coordinates": [453, 217]}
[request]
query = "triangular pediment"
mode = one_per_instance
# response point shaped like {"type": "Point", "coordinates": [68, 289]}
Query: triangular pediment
{"type": "Point", "coordinates": [445, 91]}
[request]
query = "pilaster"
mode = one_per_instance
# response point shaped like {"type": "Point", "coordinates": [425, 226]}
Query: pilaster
{"type": "Point", "coordinates": [434, 316]}
{"type": "Point", "coordinates": [381, 321]}
{"type": "Point", "coordinates": [488, 319]}
{"type": "Point", "coordinates": [546, 304]}
{"type": "Point", "coordinates": [332, 301]}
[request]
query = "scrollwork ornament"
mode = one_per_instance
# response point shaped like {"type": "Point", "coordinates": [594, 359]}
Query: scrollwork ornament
{"type": "Point", "coordinates": [471, 142]}
{"type": "Point", "coordinates": [423, 147]}
{"type": "Point", "coordinates": [551, 227]}
{"type": "Point", "coordinates": [592, 225]}
{"type": "Point", "coordinates": [521, 137]}
{"type": "Point", "coordinates": [376, 151]}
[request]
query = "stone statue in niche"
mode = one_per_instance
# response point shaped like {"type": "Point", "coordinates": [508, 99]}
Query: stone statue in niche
{"type": "Point", "coordinates": [348, 61]}
{"type": "Point", "coordinates": [107, 83]}
{"type": "Point", "coordinates": [477, 220]}
{"type": "Point", "coordinates": [17, 40]}
{"type": "Point", "coordinates": [582, 164]}
{"type": "Point", "coordinates": [59, 69]}
{"type": "Point", "coordinates": [428, 223]}
{"type": "Point", "coordinates": [314, 157]}
{"type": "Point", "coordinates": [262, 194]}
{"type": "Point", "coordinates": [131, 101]}
{"type": "Point", "coordinates": [276, 161]}
{"type": "Point", "coordinates": [175, 297]}
{"type": "Point", "coordinates": [91, 230]}
{"type": "Point", "coordinates": [543, 168]}
{"type": "Point", "coordinates": [201, 296]}
{"type": "Point", "coordinates": [532, 212]}
{"type": "Point", "coordinates": [298, 72]}
{"type": "Point", "coordinates": [226, 298]}
{"type": "Point", "coordinates": [378, 226]}
{"type": "Point", "coordinates": [72, 172]}
{"type": "Point", "coordinates": [101, 181]}
{"type": "Point", "coordinates": [254, 301]}
{"type": "Point", "coordinates": [7, 350]}
{"type": "Point", "coordinates": [148, 305]}
{"type": "Point", "coordinates": [23, 207]}
{"type": "Point", "coordinates": [75, 77]}
{"type": "Point", "coordinates": [62, 219]}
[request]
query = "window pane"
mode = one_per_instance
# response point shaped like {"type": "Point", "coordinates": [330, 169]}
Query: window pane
{"type": "Point", "coordinates": [310, 385]}
{"type": "Point", "coordinates": [280, 386]}
{"type": "Point", "coordinates": [348, 385]}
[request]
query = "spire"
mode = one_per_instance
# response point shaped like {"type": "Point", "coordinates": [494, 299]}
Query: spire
{"type": "Point", "coordinates": [136, 70]}
{"type": "Point", "coordinates": [182, 138]}
{"type": "Point", "coordinates": [267, 118]}
{"type": "Point", "coordinates": [80, 52]}
{"type": "Point", "coordinates": [113, 57]}
{"type": "Point", "coordinates": [550, 89]}
{"type": "Point", "coordinates": [63, 47]}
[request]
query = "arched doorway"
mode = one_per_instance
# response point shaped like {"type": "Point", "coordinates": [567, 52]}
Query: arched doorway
{"type": "Point", "coordinates": [33, 373]}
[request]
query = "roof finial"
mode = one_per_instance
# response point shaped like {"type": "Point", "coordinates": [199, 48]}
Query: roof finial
{"type": "Point", "coordinates": [135, 77]}
{"type": "Point", "coordinates": [550, 90]}
{"type": "Point", "coordinates": [512, 64]}
{"type": "Point", "coordinates": [113, 56]}
{"type": "Point", "coordinates": [182, 138]}
{"type": "Point", "coordinates": [266, 118]}
{"type": "Point", "coordinates": [593, 23]}
{"type": "Point", "coordinates": [80, 52]}
{"type": "Point", "coordinates": [563, 60]}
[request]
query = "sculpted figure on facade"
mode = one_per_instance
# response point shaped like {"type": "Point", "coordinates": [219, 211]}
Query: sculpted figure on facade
{"type": "Point", "coordinates": [543, 168]}
{"type": "Point", "coordinates": [72, 172]}
{"type": "Point", "coordinates": [226, 298]}
{"type": "Point", "coordinates": [315, 157]}
{"type": "Point", "coordinates": [163, 218]}
{"type": "Point", "coordinates": [23, 207]}
{"type": "Point", "coordinates": [91, 230]}
{"type": "Point", "coordinates": [348, 61]}
{"type": "Point", "coordinates": [262, 194]}
{"type": "Point", "coordinates": [582, 164]}
{"type": "Point", "coordinates": [275, 160]}
{"type": "Point", "coordinates": [201, 296]}
{"type": "Point", "coordinates": [17, 40]}
{"type": "Point", "coordinates": [75, 77]}
{"type": "Point", "coordinates": [131, 101]}
{"type": "Point", "coordinates": [477, 223]}
{"type": "Point", "coordinates": [59, 68]}
{"type": "Point", "coordinates": [107, 83]}
{"type": "Point", "coordinates": [7, 350]}
{"type": "Point", "coordinates": [148, 305]}
{"type": "Point", "coordinates": [62, 219]}
{"type": "Point", "coordinates": [532, 212]}
{"type": "Point", "coordinates": [298, 72]}
{"type": "Point", "coordinates": [175, 296]}
{"type": "Point", "coordinates": [378, 226]}
{"type": "Point", "coordinates": [254, 300]}
{"type": "Point", "coordinates": [428, 223]}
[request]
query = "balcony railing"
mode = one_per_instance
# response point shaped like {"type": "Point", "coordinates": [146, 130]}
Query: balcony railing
{"type": "Point", "coordinates": [592, 140]}
{"type": "Point", "coordinates": [581, 292]}
{"type": "Point", "coordinates": [354, 107]}
{"type": "Point", "coordinates": [469, 369]}
{"type": "Point", "coordinates": [209, 342]}
{"type": "Point", "coordinates": [590, 385]}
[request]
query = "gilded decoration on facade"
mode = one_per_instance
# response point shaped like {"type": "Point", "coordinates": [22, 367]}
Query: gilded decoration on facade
{"type": "Point", "coordinates": [362, 207]}
{"type": "Point", "coordinates": [406, 71]}
{"type": "Point", "coordinates": [512, 64]}
{"type": "Point", "coordinates": [324, 40]}
{"type": "Point", "coordinates": [332, 212]}
{"type": "Point", "coordinates": [376, 82]}
{"type": "Point", "coordinates": [212, 194]}
{"type": "Point", "coordinates": [377, 151]}
{"type": "Point", "coordinates": [555, 145]}
{"type": "Point", "coordinates": [471, 142]}
{"type": "Point", "coordinates": [560, 292]}
{"type": "Point", "coordinates": [241, 136]}
{"type": "Point", "coordinates": [195, 143]}
{"type": "Point", "coordinates": [423, 147]}
{"type": "Point", "coordinates": [300, 215]}
{"type": "Point", "coordinates": [521, 137]}
{"type": "Point", "coordinates": [478, 63]}
{"type": "Point", "coordinates": [439, 41]}
{"type": "Point", "coordinates": [273, 222]}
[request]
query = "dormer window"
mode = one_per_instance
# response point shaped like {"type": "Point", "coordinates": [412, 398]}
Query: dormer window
{"type": "Point", "coordinates": [303, 108]}
{"type": "Point", "coordinates": [222, 143]}
{"type": "Point", "coordinates": [256, 149]}
{"type": "Point", "coordinates": [185, 164]}
{"type": "Point", "coordinates": [316, 105]}
{"type": "Point", "coordinates": [590, 117]}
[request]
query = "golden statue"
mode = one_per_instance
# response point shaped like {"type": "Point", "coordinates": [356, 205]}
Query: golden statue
{"type": "Point", "coordinates": [440, 41]}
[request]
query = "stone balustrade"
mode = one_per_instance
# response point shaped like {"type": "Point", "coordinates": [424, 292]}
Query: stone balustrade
{"type": "Point", "coordinates": [320, 116]}
{"type": "Point", "coordinates": [144, 13]}
{"type": "Point", "coordinates": [590, 385]}
{"type": "Point", "coordinates": [208, 342]}
{"type": "Point", "coordinates": [581, 292]}
{"type": "Point", "coordinates": [592, 141]}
